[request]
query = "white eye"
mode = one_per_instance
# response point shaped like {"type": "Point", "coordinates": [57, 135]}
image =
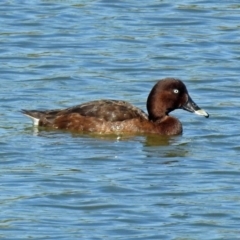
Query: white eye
{"type": "Point", "coordinates": [175, 91]}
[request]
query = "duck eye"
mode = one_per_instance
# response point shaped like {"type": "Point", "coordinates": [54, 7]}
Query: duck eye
{"type": "Point", "coordinates": [175, 90]}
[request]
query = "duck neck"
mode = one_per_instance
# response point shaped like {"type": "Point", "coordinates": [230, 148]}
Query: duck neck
{"type": "Point", "coordinates": [157, 117]}
{"type": "Point", "coordinates": [156, 111]}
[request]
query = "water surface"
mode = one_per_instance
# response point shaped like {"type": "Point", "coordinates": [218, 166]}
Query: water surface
{"type": "Point", "coordinates": [59, 185]}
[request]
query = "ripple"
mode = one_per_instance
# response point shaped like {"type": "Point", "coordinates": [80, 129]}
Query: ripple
{"type": "Point", "coordinates": [59, 185]}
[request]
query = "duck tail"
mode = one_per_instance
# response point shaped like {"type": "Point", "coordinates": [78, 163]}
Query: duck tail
{"type": "Point", "coordinates": [33, 114]}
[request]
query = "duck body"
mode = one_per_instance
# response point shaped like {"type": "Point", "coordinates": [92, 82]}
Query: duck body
{"type": "Point", "coordinates": [114, 116]}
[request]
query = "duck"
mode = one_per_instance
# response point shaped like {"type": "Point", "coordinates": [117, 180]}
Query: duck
{"type": "Point", "coordinates": [109, 116]}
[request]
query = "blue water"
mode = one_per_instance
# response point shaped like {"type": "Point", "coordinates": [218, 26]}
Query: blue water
{"type": "Point", "coordinates": [59, 185]}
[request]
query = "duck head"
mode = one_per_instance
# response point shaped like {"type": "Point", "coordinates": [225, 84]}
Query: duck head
{"type": "Point", "coordinates": [170, 94]}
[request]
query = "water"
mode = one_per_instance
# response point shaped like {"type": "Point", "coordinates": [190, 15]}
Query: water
{"type": "Point", "coordinates": [58, 185]}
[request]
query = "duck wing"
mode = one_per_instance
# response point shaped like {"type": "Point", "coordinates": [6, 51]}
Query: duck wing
{"type": "Point", "coordinates": [108, 110]}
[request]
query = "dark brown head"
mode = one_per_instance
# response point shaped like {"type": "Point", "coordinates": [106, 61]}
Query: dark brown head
{"type": "Point", "coordinates": [170, 94]}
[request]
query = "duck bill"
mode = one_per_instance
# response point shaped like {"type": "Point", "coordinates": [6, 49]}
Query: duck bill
{"type": "Point", "coordinates": [191, 106]}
